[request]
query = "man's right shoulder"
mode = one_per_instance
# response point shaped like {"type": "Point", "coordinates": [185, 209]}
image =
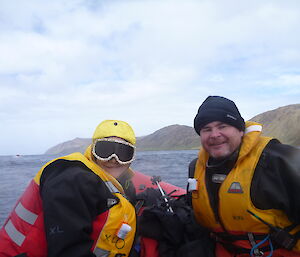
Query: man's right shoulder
{"type": "Point", "coordinates": [192, 167]}
{"type": "Point", "coordinates": [276, 148]}
{"type": "Point", "coordinates": [66, 169]}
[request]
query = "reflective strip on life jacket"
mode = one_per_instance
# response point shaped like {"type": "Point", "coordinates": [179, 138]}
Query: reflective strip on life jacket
{"type": "Point", "coordinates": [101, 253]}
{"type": "Point", "coordinates": [14, 234]}
{"type": "Point", "coordinates": [111, 187]}
{"type": "Point", "coordinates": [24, 214]}
{"type": "Point", "coordinates": [253, 128]}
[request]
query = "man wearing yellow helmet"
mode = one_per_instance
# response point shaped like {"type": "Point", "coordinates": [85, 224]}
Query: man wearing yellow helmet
{"type": "Point", "coordinates": [76, 204]}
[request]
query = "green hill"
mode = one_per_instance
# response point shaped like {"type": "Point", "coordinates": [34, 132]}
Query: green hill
{"type": "Point", "coordinates": [282, 123]}
{"type": "Point", "coordinates": [174, 137]}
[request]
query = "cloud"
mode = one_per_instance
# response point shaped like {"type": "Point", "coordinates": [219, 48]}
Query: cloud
{"type": "Point", "coordinates": [65, 66]}
{"type": "Point", "coordinates": [290, 80]}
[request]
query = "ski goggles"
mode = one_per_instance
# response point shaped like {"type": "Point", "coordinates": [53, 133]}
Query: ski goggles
{"type": "Point", "coordinates": [105, 149]}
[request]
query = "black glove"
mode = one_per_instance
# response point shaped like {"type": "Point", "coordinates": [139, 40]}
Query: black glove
{"type": "Point", "coordinates": [150, 196]}
{"type": "Point", "coordinates": [177, 232]}
{"type": "Point", "coordinates": [158, 223]}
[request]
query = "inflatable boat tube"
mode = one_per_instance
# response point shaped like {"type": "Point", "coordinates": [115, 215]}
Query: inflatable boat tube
{"type": "Point", "coordinates": [142, 182]}
{"type": "Point", "coordinates": [149, 246]}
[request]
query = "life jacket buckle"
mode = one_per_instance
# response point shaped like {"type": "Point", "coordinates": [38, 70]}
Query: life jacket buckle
{"type": "Point", "coordinates": [192, 184]}
{"type": "Point", "coordinates": [256, 252]}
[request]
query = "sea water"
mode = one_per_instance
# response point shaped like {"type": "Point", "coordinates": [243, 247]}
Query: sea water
{"type": "Point", "coordinates": [17, 171]}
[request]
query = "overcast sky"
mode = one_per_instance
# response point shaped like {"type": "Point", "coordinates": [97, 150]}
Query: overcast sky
{"type": "Point", "coordinates": [67, 65]}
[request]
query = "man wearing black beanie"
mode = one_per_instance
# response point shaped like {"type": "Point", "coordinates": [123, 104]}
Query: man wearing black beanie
{"type": "Point", "coordinates": [244, 187]}
{"type": "Point", "coordinates": [218, 108]}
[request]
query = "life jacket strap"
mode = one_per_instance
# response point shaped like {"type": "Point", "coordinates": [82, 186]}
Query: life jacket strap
{"type": "Point", "coordinates": [112, 188]}
{"type": "Point", "coordinates": [227, 241]}
{"type": "Point", "coordinates": [224, 236]}
{"type": "Point", "coordinates": [240, 250]}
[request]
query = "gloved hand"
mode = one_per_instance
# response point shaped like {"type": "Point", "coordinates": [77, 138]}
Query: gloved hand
{"type": "Point", "coordinates": [158, 223]}
{"type": "Point", "coordinates": [150, 196]}
{"type": "Point", "coordinates": [177, 232]}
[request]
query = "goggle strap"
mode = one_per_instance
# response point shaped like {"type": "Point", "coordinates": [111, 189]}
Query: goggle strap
{"type": "Point", "coordinates": [115, 140]}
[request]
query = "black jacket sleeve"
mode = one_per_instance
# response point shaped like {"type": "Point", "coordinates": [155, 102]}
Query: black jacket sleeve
{"type": "Point", "coordinates": [72, 197]}
{"type": "Point", "coordinates": [276, 181]}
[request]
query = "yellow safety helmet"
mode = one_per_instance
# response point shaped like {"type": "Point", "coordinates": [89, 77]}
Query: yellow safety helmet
{"type": "Point", "coordinates": [115, 128]}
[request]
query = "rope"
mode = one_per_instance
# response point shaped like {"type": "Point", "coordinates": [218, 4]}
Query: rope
{"type": "Point", "coordinates": [260, 243]}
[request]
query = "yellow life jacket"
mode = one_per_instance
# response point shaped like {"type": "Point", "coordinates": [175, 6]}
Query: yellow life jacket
{"type": "Point", "coordinates": [234, 193]}
{"type": "Point", "coordinates": [114, 238]}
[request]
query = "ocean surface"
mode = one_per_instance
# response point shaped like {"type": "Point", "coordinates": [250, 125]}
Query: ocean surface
{"type": "Point", "coordinates": [17, 171]}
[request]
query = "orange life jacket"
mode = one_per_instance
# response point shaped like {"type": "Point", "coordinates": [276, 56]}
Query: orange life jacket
{"type": "Point", "coordinates": [23, 231]}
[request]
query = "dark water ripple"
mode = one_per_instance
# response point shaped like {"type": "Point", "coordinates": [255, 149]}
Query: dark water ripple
{"type": "Point", "coordinates": [17, 171]}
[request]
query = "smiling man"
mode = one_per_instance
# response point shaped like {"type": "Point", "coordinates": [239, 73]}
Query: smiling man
{"type": "Point", "coordinates": [245, 187]}
{"type": "Point", "coordinates": [220, 139]}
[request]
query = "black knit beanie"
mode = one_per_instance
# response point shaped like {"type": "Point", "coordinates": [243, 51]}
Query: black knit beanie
{"type": "Point", "coordinates": [218, 108]}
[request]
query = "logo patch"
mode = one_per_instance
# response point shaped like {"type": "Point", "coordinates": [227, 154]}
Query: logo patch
{"type": "Point", "coordinates": [235, 188]}
{"type": "Point", "coordinates": [218, 178]}
{"type": "Point", "coordinates": [231, 117]}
